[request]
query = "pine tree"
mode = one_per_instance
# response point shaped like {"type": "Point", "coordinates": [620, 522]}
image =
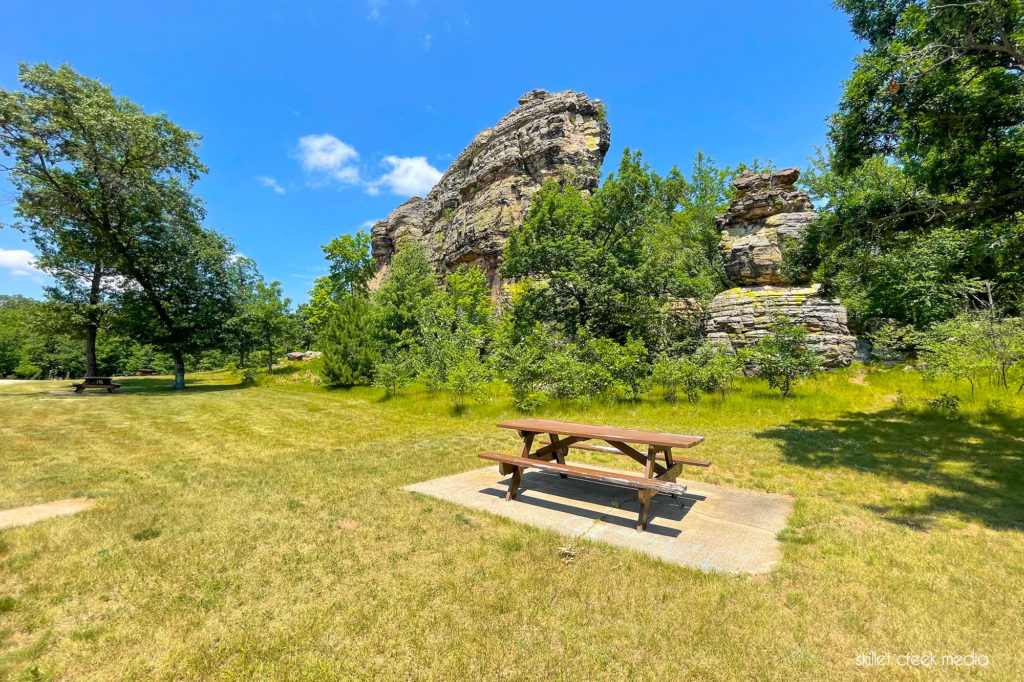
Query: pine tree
{"type": "Point", "coordinates": [348, 345]}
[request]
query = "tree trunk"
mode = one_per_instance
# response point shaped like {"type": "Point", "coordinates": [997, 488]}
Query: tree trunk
{"type": "Point", "coordinates": [93, 325]}
{"type": "Point", "coordinates": [179, 368]}
{"type": "Point", "coordinates": [90, 350]}
{"type": "Point", "coordinates": [270, 358]}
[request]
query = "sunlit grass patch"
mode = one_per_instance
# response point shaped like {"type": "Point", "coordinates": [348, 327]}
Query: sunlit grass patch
{"type": "Point", "coordinates": [263, 532]}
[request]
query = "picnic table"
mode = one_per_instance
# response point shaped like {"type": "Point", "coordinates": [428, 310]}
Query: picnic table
{"type": "Point", "coordinates": [554, 439]}
{"type": "Point", "coordinates": [97, 382]}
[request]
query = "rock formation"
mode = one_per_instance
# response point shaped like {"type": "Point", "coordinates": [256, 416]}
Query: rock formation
{"type": "Point", "coordinates": [467, 216]}
{"type": "Point", "coordinates": [767, 214]}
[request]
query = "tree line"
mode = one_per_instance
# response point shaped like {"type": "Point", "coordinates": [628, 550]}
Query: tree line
{"type": "Point", "coordinates": [920, 235]}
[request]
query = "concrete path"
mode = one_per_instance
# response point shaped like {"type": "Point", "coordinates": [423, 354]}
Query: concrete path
{"type": "Point", "coordinates": [22, 516]}
{"type": "Point", "coordinates": [714, 529]}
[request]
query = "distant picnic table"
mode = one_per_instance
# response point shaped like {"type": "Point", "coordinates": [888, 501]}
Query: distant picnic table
{"type": "Point", "coordinates": [97, 382]}
{"type": "Point", "coordinates": [661, 466]}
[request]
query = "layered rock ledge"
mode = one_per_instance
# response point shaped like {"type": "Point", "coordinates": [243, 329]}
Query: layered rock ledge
{"type": "Point", "coordinates": [739, 317]}
{"type": "Point", "coordinates": [769, 214]}
{"type": "Point", "coordinates": [467, 216]}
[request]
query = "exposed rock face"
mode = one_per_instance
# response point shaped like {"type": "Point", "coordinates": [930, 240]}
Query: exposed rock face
{"type": "Point", "coordinates": [768, 213]}
{"type": "Point", "coordinates": [739, 317]}
{"type": "Point", "coordinates": [467, 216]}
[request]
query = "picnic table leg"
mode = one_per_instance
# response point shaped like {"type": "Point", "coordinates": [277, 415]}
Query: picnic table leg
{"type": "Point", "coordinates": [513, 487]}
{"type": "Point", "coordinates": [506, 469]}
{"type": "Point", "coordinates": [559, 454]}
{"type": "Point", "coordinates": [670, 466]}
{"type": "Point", "coordinates": [649, 468]}
{"type": "Point", "coordinates": [645, 508]}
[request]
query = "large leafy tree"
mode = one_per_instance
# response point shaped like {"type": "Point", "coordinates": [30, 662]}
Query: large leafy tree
{"type": "Point", "coordinates": [187, 297]}
{"type": "Point", "coordinates": [269, 318]}
{"type": "Point", "coordinates": [351, 268]}
{"type": "Point", "coordinates": [15, 323]}
{"type": "Point", "coordinates": [913, 276]}
{"type": "Point", "coordinates": [397, 303]}
{"type": "Point", "coordinates": [606, 262]}
{"type": "Point", "coordinates": [101, 181]}
{"type": "Point", "coordinates": [243, 278]}
{"type": "Point", "coordinates": [79, 303]}
{"type": "Point", "coordinates": [931, 120]}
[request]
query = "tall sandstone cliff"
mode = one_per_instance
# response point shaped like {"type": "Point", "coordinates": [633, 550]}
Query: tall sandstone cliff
{"type": "Point", "coordinates": [467, 216]}
{"type": "Point", "coordinates": [769, 212]}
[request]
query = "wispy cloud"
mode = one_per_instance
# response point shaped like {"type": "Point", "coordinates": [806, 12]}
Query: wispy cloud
{"type": "Point", "coordinates": [374, 7]}
{"type": "Point", "coordinates": [325, 157]}
{"type": "Point", "coordinates": [270, 182]}
{"type": "Point", "coordinates": [19, 262]}
{"type": "Point", "coordinates": [426, 41]}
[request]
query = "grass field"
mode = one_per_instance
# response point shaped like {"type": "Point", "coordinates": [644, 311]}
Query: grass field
{"type": "Point", "coordinates": [262, 532]}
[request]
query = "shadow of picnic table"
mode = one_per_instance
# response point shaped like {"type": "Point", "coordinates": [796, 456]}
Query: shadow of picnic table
{"type": "Point", "coordinates": [974, 468]}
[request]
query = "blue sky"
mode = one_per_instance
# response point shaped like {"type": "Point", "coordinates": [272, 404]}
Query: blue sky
{"type": "Point", "coordinates": [320, 117]}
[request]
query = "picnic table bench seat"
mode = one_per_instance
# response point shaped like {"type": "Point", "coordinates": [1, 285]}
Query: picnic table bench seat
{"type": "Point", "coordinates": [661, 467]}
{"type": "Point", "coordinates": [588, 474]}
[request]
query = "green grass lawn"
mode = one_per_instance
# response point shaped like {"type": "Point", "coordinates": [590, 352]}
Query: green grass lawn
{"type": "Point", "coordinates": [262, 532]}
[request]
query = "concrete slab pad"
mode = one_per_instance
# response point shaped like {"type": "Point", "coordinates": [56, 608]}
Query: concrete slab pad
{"type": "Point", "coordinates": [22, 516]}
{"type": "Point", "coordinates": [712, 528]}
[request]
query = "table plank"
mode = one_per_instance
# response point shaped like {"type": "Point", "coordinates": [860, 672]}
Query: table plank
{"type": "Point", "coordinates": [606, 433]}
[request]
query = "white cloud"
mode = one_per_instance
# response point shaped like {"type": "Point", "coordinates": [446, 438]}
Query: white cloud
{"type": "Point", "coordinates": [426, 41]}
{"type": "Point", "coordinates": [19, 262]}
{"type": "Point", "coordinates": [408, 176]}
{"type": "Point", "coordinates": [270, 182]}
{"type": "Point", "coordinates": [329, 158]}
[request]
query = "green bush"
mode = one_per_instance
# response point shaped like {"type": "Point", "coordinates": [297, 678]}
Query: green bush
{"type": "Point", "coordinates": [946, 403]}
{"type": "Point", "coordinates": [711, 367]}
{"type": "Point", "coordinates": [673, 374]}
{"type": "Point", "coordinates": [544, 364]}
{"type": "Point", "coordinates": [781, 356]}
{"type": "Point", "coordinates": [453, 334]}
{"type": "Point", "coordinates": [525, 366]}
{"type": "Point", "coordinates": [27, 370]}
{"type": "Point", "coordinates": [621, 369]}
{"type": "Point", "coordinates": [394, 371]}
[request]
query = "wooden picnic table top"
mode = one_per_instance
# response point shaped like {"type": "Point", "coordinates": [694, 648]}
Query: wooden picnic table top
{"type": "Point", "coordinates": [605, 433]}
